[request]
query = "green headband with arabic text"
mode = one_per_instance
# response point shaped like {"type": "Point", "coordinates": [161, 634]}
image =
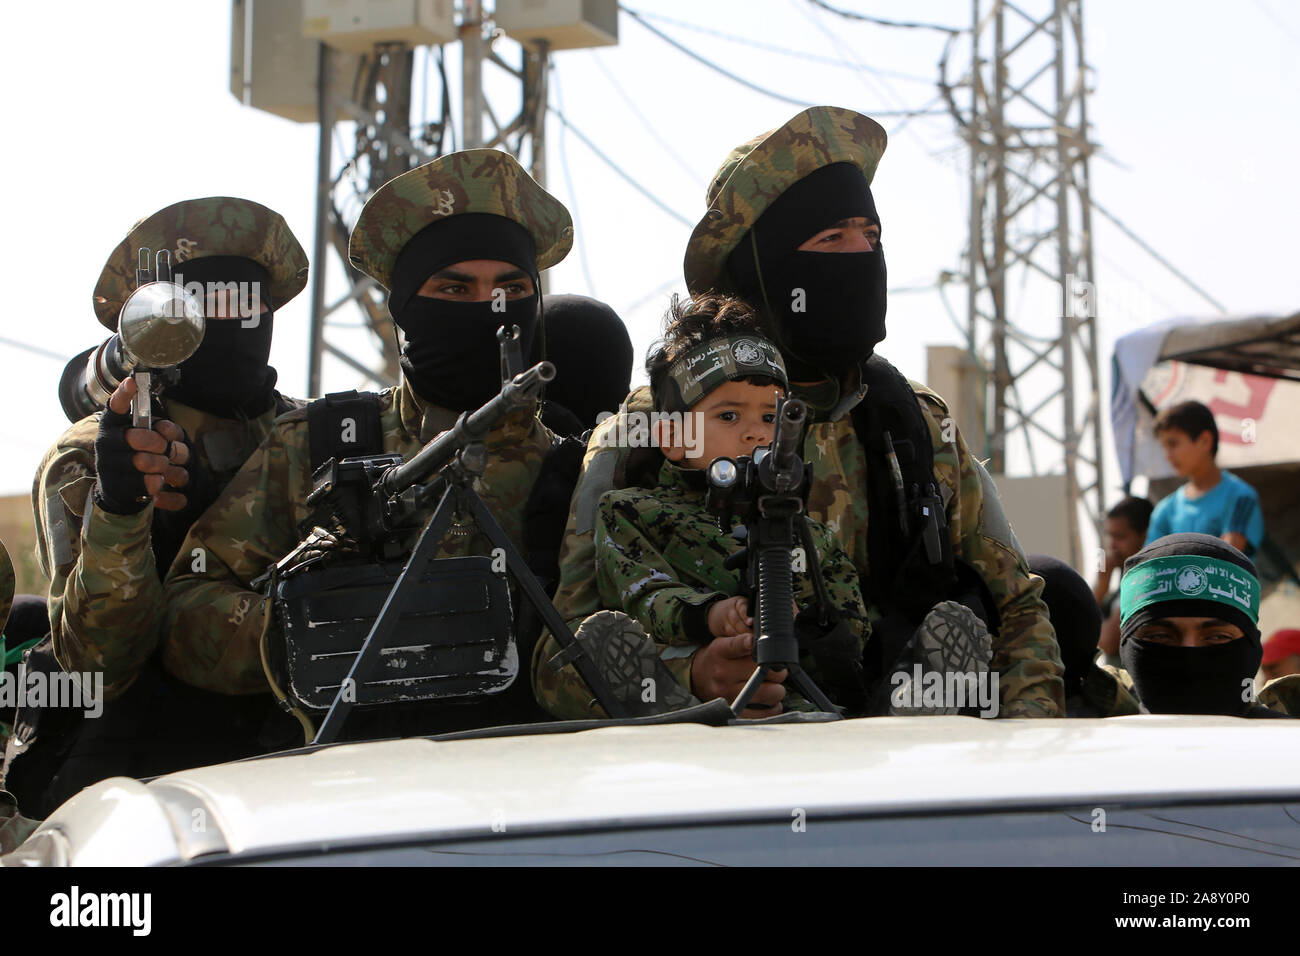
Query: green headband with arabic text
{"type": "Point", "coordinates": [715, 362]}
{"type": "Point", "coordinates": [1189, 577]}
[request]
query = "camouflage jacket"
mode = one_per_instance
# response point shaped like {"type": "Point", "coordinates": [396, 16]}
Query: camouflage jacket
{"type": "Point", "coordinates": [1282, 694]}
{"type": "Point", "coordinates": [214, 620]}
{"type": "Point", "coordinates": [1101, 694]}
{"type": "Point", "coordinates": [1025, 652]}
{"type": "Point", "coordinates": [659, 558]}
{"type": "Point", "coordinates": [106, 595]}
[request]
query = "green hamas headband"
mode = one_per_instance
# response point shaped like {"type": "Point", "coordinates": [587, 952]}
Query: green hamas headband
{"type": "Point", "coordinates": [1189, 578]}
{"type": "Point", "coordinates": [715, 362]}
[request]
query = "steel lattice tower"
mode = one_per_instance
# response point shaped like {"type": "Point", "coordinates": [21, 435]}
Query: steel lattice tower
{"type": "Point", "coordinates": [384, 145]}
{"type": "Point", "coordinates": [1022, 109]}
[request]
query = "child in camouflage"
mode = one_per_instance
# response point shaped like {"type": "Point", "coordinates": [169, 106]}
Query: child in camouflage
{"type": "Point", "coordinates": [659, 553]}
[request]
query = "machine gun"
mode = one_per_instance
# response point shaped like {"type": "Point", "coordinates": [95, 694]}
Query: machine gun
{"type": "Point", "coordinates": [160, 326]}
{"type": "Point", "coordinates": [450, 645]}
{"type": "Point", "coordinates": [768, 493]}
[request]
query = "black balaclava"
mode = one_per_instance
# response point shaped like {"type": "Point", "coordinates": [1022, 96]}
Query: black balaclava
{"type": "Point", "coordinates": [1075, 616]}
{"type": "Point", "coordinates": [229, 376]}
{"type": "Point", "coordinates": [592, 352]}
{"type": "Point", "coordinates": [452, 357]}
{"type": "Point", "coordinates": [828, 309]}
{"type": "Point", "coordinates": [1191, 680]}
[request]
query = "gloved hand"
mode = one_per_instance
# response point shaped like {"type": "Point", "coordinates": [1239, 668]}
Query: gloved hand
{"type": "Point", "coordinates": [137, 465]}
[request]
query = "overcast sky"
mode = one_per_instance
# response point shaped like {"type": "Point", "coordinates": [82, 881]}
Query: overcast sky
{"type": "Point", "coordinates": [121, 108]}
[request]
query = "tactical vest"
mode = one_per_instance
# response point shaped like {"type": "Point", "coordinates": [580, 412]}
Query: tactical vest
{"type": "Point", "coordinates": [455, 641]}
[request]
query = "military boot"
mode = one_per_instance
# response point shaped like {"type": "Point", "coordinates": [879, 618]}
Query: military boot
{"type": "Point", "coordinates": [951, 640]}
{"type": "Point", "coordinates": [619, 648]}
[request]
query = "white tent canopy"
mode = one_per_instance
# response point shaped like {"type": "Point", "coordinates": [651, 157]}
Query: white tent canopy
{"type": "Point", "coordinates": [1246, 369]}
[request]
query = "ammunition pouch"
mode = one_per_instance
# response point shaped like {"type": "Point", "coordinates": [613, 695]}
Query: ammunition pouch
{"type": "Point", "coordinates": [453, 640]}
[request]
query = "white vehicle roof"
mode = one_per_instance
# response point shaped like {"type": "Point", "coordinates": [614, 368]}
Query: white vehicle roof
{"type": "Point", "coordinates": [634, 776]}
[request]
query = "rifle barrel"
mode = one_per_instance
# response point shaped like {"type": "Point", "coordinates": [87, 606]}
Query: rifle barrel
{"type": "Point", "coordinates": [785, 438]}
{"type": "Point", "coordinates": [470, 427]}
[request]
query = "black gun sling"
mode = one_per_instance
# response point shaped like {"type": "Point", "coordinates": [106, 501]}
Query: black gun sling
{"type": "Point", "coordinates": [905, 580]}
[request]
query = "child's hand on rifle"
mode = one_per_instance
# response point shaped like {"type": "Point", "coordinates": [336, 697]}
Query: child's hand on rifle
{"type": "Point", "coordinates": [721, 667]}
{"type": "Point", "coordinates": [730, 617]}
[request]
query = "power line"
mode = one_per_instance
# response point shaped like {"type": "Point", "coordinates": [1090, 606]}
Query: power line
{"type": "Point", "coordinates": [636, 111]}
{"type": "Point", "coordinates": [652, 294]}
{"type": "Point", "coordinates": [906, 116]}
{"type": "Point", "coordinates": [34, 349]}
{"type": "Point", "coordinates": [1280, 23]}
{"type": "Point", "coordinates": [568, 184]}
{"type": "Point", "coordinates": [740, 79]}
{"type": "Point", "coordinates": [784, 51]}
{"type": "Point", "coordinates": [619, 169]}
{"type": "Point", "coordinates": [851, 15]}
{"type": "Point", "coordinates": [710, 64]}
{"type": "Point", "coordinates": [1147, 248]}
{"type": "Point", "coordinates": [844, 48]}
{"type": "Point", "coordinates": [923, 110]}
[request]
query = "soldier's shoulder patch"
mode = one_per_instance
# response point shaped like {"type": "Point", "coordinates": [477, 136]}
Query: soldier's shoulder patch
{"type": "Point", "coordinates": [930, 401]}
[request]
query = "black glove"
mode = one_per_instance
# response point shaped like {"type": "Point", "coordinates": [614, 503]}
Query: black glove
{"type": "Point", "coordinates": [120, 489]}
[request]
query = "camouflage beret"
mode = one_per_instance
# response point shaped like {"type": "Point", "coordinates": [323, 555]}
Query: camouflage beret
{"type": "Point", "coordinates": [755, 173]}
{"type": "Point", "coordinates": [214, 226]}
{"type": "Point", "coordinates": [471, 180]}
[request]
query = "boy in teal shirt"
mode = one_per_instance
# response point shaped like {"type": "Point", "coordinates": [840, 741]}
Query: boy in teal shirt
{"type": "Point", "coordinates": [1213, 501]}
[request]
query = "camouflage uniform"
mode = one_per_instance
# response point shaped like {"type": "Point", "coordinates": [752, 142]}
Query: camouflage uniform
{"type": "Point", "coordinates": [1282, 694]}
{"type": "Point", "coordinates": [105, 596]}
{"type": "Point", "coordinates": [659, 554]}
{"type": "Point", "coordinates": [1025, 650]}
{"type": "Point", "coordinates": [214, 621]}
{"type": "Point", "coordinates": [1101, 694]}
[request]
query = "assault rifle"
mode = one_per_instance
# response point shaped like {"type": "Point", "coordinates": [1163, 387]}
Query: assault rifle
{"type": "Point", "coordinates": [768, 492]}
{"type": "Point", "coordinates": [375, 504]}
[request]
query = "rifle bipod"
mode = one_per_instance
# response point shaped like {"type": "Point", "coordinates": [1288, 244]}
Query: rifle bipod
{"type": "Point", "coordinates": [775, 645]}
{"type": "Point", "coordinates": [768, 491]}
{"type": "Point", "coordinates": [458, 497]}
